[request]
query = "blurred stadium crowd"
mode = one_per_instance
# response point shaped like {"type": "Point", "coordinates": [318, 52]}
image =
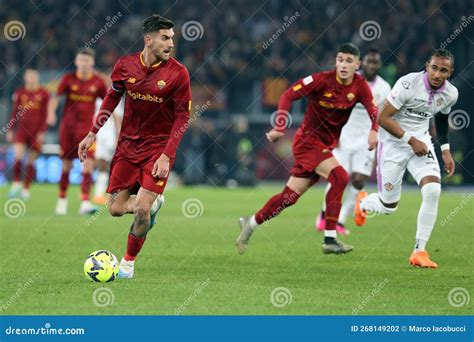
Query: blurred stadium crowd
{"type": "Point", "coordinates": [242, 56]}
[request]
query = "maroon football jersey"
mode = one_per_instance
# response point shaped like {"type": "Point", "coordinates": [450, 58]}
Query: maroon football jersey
{"type": "Point", "coordinates": [157, 104]}
{"type": "Point", "coordinates": [329, 105]}
{"type": "Point", "coordinates": [29, 110]}
{"type": "Point", "coordinates": [80, 100]}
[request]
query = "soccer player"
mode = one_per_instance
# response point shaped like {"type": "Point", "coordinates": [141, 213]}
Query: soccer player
{"type": "Point", "coordinates": [28, 119]}
{"type": "Point", "coordinates": [405, 144]}
{"type": "Point", "coordinates": [353, 151]}
{"type": "Point", "coordinates": [81, 89]}
{"type": "Point", "coordinates": [332, 95]}
{"type": "Point", "coordinates": [157, 103]}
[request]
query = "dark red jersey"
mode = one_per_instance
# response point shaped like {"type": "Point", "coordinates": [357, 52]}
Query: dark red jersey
{"type": "Point", "coordinates": [329, 105]}
{"type": "Point", "coordinates": [157, 104]}
{"type": "Point", "coordinates": [29, 111]}
{"type": "Point", "coordinates": [80, 100]}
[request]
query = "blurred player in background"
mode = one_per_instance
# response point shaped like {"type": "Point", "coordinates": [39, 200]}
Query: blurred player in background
{"type": "Point", "coordinates": [353, 151]}
{"type": "Point", "coordinates": [405, 144]}
{"type": "Point", "coordinates": [106, 142]}
{"type": "Point", "coordinates": [28, 120]}
{"type": "Point", "coordinates": [81, 89]}
{"type": "Point", "coordinates": [332, 95]}
{"type": "Point", "coordinates": [157, 104]}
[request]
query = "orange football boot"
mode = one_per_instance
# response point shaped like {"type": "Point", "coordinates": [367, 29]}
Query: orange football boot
{"type": "Point", "coordinates": [360, 216]}
{"type": "Point", "coordinates": [422, 259]}
{"type": "Point", "coordinates": [101, 200]}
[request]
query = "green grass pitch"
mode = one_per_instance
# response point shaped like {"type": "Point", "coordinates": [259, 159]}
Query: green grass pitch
{"type": "Point", "coordinates": [190, 266]}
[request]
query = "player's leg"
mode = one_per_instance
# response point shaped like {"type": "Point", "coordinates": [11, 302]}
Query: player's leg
{"type": "Point", "coordinates": [61, 205]}
{"type": "Point", "coordinates": [426, 172]}
{"type": "Point", "coordinates": [338, 179]}
{"type": "Point", "coordinates": [18, 151]}
{"type": "Point", "coordinates": [30, 173]}
{"type": "Point", "coordinates": [87, 207]}
{"type": "Point", "coordinates": [294, 189]}
{"type": "Point", "coordinates": [121, 203]}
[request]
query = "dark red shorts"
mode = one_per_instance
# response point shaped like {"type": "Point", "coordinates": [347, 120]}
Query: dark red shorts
{"type": "Point", "coordinates": [308, 153]}
{"type": "Point", "coordinates": [128, 175]}
{"type": "Point", "coordinates": [30, 140]}
{"type": "Point", "coordinates": [69, 140]}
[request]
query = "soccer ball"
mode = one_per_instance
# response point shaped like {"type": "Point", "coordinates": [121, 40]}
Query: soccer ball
{"type": "Point", "coordinates": [101, 266]}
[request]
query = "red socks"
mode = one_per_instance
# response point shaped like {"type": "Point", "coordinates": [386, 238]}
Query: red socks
{"type": "Point", "coordinates": [30, 175]}
{"type": "Point", "coordinates": [63, 184]}
{"type": "Point", "coordinates": [338, 178]}
{"type": "Point", "coordinates": [134, 246]}
{"type": "Point", "coordinates": [86, 184]}
{"type": "Point", "coordinates": [276, 205]}
{"type": "Point", "coordinates": [17, 171]}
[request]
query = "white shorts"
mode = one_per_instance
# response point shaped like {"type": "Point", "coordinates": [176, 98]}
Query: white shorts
{"type": "Point", "coordinates": [394, 158]}
{"type": "Point", "coordinates": [355, 161]}
{"type": "Point", "coordinates": [105, 147]}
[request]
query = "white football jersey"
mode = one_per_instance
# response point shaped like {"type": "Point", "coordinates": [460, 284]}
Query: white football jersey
{"type": "Point", "coordinates": [417, 103]}
{"type": "Point", "coordinates": [108, 129]}
{"type": "Point", "coordinates": [355, 133]}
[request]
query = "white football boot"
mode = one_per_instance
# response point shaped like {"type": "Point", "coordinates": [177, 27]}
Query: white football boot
{"type": "Point", "coordinates": [126, 269]}
{"type": "Point", "coordinates": [61, 206]}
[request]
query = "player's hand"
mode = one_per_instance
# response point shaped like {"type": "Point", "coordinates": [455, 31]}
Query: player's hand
{"type": "Point", "coordinates": [85, 145]}
{"type": "Point", "coordinates": [9, 136]}
{"type": "Point", "coordinates": [373, 138]}
{"type": "Point", "coordinates": [274, 135]}
{"type": "Point", "coordinates": [161, 168]}
{"type": "Point", "coordinates": [40, 138]}
{"type": "Point", "coordinates": [418, 147]}
{"type": "Point", "coordinates": [51, 119]}
{"type": "Point", "coordinates": [448, 160]}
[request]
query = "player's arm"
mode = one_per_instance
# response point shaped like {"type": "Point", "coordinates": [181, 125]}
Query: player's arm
{"type": "Point", "coordinates": [182, 106]}
{"type": "Point", "coordinates": [442, 127]}
{"type": "Point", "coordinates": [12, 122]}
{"type": "Point", "coordinates": [44, 117]}
{"type": "Point", "coordinates": [53, 102]}
{"type": "Point", "coordinates": [298, 90]}
{"type": "Point", "coordinates": [367, 100]}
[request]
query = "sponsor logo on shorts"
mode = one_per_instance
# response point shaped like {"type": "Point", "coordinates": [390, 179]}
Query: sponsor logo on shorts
{"type": "Point", "coordinates": [160, 183]}
{"type": "Point", "coordinates": [388, 186]}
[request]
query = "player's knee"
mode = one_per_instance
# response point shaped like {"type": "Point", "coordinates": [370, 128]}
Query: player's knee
{"type": "Point", "coordinates": [358, 181]}
{"type": "Point", "coordinates": [431, 192]}
{"type": "Point", "coordinates": [115, 209]}
{"type": "Point", "coordinates": [339, 176]}
{"type": "Point", "coordinates": [141, 211]}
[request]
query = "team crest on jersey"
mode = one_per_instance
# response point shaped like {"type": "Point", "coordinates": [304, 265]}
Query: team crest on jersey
{"type": "Point", "coordinates": [350, 96]}
{"type": "Point", "coordinates": [161, 84]}
{"type": "Point", "coordinates": [74, 87]}
{"type": "Point", "coordinates": [93, 88]}
{"type": "Point", "coordinates": [388, 186]}
{"type": "Point", "coordinates": [327, 95]}
{"type": "Point", "coordinates": [23, 98]}
{"type": "Point", "coordinates": [439, 102]}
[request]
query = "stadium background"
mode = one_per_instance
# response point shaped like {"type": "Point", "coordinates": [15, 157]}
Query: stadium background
{"type": "Point", "coordinates": [241, 56]}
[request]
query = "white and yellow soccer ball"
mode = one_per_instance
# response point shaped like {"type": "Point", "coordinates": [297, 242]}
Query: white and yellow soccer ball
{"type": "Point", "coordinates": [101, 266]}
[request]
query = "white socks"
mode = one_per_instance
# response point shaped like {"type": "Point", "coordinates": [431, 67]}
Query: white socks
{"type": "Point", "coordinates": [427, 214]}
{"type": "Point", "coordinates": [101, 183]}
{"type": "Point", "coordinates": [330, 233]}
{"type": "Point", "coordinates": [253, 222]}
{"type": "Point", "coordinates": [372, 203]}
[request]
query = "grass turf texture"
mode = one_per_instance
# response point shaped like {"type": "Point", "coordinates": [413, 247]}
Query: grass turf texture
{"type": "Point", "coordinates": [190, 265]}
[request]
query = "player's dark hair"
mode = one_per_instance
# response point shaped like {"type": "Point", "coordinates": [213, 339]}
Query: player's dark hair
{"type": "Point", "coordinates": [349, 48]}
{"type": "Point", "coordinates": [155, 23]}
{"type": "Point", "coordinates": [372, 51]}
{"type": "Point", "coordinates": [86, 51]}
{"type": "Point", "coordinates": [443, 53]}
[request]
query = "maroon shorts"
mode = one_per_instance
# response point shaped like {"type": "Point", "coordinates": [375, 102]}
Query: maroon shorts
{"type": "Point", "coordinates": [308, 153]}
{"type": "Point", "coordinates": [69, 140]}
{"type": "Point", "coordinates": [30, 140]}
{"type": "Point", "coordinates": [125, 174]}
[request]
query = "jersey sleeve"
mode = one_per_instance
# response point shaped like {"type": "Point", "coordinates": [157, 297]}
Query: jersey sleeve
{"type": "Point", "coordinates": [399, 94]}
{"type": "Point", "coordinates": [102, 89]}
{"type": "Point", "coordinates": [447, 109]}
{"type": "Point", "coordinates": [182, 106]}
{"type": "Point", "coordinates": [44, 111]}
{"type": "Point", "coordinates": [63, 87]}
{"type": "Point", "coordinates": [367, 100]}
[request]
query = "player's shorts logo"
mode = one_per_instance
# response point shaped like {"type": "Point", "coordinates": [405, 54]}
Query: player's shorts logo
{"type": "Point", "coordinates": [350, 96]}
{"type": "Point", "coordinates": [161, 84]}
{"type": "Point", "coordinates": [388, 186]}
